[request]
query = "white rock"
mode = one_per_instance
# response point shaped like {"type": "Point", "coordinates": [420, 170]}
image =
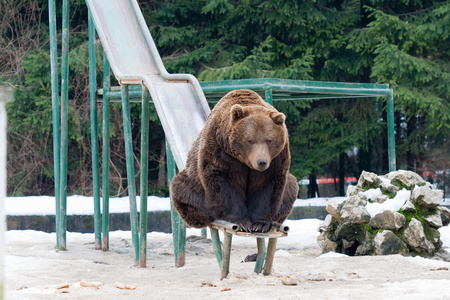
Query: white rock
{"type": "Point", "coordinates": [325, 226]}
{"type": "Point", "coordinates": [424, 196]}
{"type": "Point", "coordinates": [332, 209]}
{"type": "Point", "coordinates": [434, 220]}
{"type": "Point", "coordinates": [415, 237]}
{"type": "Point", "coordinates": [354, 211]}
{"type": "Point", "coordinates": [405, 178]}
{"type": "Point", "coordinates": [367, 179]}
{"type": "Point", "coordinates": [325, 243]}
{"type": "Point", "coordinates": [352, 190]}
{"type": "Point", "coordinates": [387, 242]}
{"type": "Point", "coordinates": [408, 207]}
{"type": "Point", "coordinates": [388, 220]}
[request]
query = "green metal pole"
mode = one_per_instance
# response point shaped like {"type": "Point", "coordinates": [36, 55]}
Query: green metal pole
{"type": "Point", "coordinates": [94, 133]}
{"type": "Point", "coordinates": [268, 96]}
{"type": "Point", "coordinates": [55, 111]}
{"type": "Point", "coordinates": [130, 172]}
{"type": "Point", "coordinates": [391, 131]}
{"type": "Point", "coordinates": [216, 245]}
{"type": "Point", "coordinates": [105, 153]}
{"type": "Point", "coordinates": [178, 226]}
{"type": "Point", "coordinates": [64, 123]}
{"type": "Point", "coordinates": [144, 176]}
{"type": "Point", "coordinates": [261, 244]}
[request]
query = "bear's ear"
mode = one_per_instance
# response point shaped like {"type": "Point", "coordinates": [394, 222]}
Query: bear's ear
{"type": "Point", "coordinates": [277, 117]}
{"type": "Point", "coordinates": [238, 112]}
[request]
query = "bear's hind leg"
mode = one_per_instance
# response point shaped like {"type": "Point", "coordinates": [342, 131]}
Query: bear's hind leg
{"type": "Point", "coordinates": [189, 203]}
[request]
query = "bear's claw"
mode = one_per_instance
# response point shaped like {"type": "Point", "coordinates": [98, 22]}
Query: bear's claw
{"type": "Point", "coordinates": [244, 227]}
{"type": "Point", "coordinates": [261, 227]}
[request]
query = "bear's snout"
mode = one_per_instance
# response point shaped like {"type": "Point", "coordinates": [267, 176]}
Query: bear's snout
{"type": "Point", "coordinates": [259, 157]}
{"type": "Point", "coordinates": [262, 163]}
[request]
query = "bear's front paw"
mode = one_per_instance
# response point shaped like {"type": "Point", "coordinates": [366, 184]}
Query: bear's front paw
{"type": "Point", "coordinates": [261, 226]}
{"type": "Point", "coordinates": [244, 226]}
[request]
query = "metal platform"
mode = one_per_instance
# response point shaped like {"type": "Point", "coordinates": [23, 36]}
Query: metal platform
{"type": "Point", "coordinates": [264, 259]}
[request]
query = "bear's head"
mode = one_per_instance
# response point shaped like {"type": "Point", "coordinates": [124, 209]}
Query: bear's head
{"type": "Point", "coordinates": [257, 135]}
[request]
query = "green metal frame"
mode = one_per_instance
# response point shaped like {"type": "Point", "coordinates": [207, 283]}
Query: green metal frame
{"type": "Point", "coordinates": [130, 171]}
{"type": "Point", "coordinates": [60, 121]}
{"type": "Point", "coordinates": [105, 152]}
{"type": "Point", "coordinates": [55, 111]}
{"type": "Point", "coordinates": [271, 89]}
{"type": "Point", "coordinates": [94, 133]}
{"type": "Point", "coordinates": [178, 226]}
{"type": "Point", "coordinates": [144, 178]}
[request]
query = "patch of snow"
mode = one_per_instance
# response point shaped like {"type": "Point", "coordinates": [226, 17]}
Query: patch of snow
{"type": "Point", "coordinates": [392, 204]}
{"type": "Point", "coordinates": [371, 193]}
{"type": "Point", "coordinates": [385, 180]}
{"type": "Point", "coordinates": [331, 255]}
{"type": "Point", "coordinates": [316, 201]}
{"type": "Point", "coordinates": [282, 253]}
{"type": "Point", "coordinates": [76, 205]}
{"type": "Point", "coordinates": [445, 236]}
{"type": "Point", "coordinates": [429, 289]}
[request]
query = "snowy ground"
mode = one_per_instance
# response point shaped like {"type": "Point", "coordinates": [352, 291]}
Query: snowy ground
{"type": "Point", "coordinates": [34, 270]}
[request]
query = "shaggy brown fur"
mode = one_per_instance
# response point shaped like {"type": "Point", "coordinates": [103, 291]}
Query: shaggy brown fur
{"type": "Point", "coordinates": [238, 168]}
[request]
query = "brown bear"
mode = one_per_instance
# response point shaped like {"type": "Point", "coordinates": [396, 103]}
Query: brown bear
{"type": "Point", "coordinates": [238, 168]}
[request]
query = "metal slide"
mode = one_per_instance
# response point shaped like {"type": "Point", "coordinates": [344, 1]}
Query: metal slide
{"type": "Point", "coordinates": [179, 100]}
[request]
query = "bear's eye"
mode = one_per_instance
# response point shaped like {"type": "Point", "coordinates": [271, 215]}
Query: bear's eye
{"type": "Point", "coordinates": [268, 142]}
{"type": "Point", "coordinates": [251, 142]}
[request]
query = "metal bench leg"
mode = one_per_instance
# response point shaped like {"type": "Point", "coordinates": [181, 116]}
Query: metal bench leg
{"type": "Point", "coordinates": [216, 245]}
{"type": "Point", "coordinates": [271, 248]}
{"type": "Point", "coordinates": [226, 254]}
{"type": "Point", "coordinates": [261, 255]}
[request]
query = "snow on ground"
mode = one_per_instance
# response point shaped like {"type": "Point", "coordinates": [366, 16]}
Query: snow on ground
{"type": "Point", "coordinates": [82, 205]}
{"type": "Point", "coordinates": [35, 270]}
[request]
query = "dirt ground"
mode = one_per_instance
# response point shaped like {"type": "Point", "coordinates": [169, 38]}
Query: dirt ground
{"type": "Point", "coordinates": [34, 270]}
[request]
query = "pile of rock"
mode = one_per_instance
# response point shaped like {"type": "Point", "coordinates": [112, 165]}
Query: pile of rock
{"type": "Point", "coordinates": [398, 213]}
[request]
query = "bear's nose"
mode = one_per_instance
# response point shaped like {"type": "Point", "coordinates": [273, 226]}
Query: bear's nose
{"type": "Point", "coordinates": [262, 163]}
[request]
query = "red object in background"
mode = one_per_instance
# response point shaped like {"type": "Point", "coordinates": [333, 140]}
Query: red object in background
{"type": "Point", "coordinates": [333, 180]}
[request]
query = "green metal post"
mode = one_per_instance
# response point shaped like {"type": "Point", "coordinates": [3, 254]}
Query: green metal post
{"type": "Point", "coordinates": [130, 172]}
{"type": "Point", "coordinates": [261, 244]}
{"type": "Point", "coordinates": [178, 226]}
{"type": "Point", "coordinates": [94, 133]}
{"type": "Point", "coordinates": [55, 112]}
{"type": "Point", "coordinates": [64, 123]}
{"type": "Point", "coordinates": [268, 96]}
{"type": "Point", "coordinates": [105, 153]}
{"type": "Point", "coordinates": [144, 176]}
{"type": "Point", "coordinates": [391, 131]}
{"type": "Point", "coordinates": [216, 245]}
